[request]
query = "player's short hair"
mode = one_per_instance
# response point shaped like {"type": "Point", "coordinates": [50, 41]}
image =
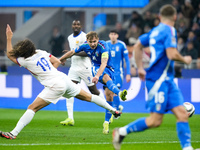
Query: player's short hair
{"type": "Point", "coordinates": [92, 34]}
{"type": "Point", "coordinates": [114, 31]}
{"type": "Point", "coordinates": [24, 48]}
{"type": "Point", "coordinates": [167, 11]}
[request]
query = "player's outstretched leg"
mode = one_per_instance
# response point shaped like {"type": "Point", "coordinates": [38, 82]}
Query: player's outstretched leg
{"type": "Point", "coordinates": [112, 87]}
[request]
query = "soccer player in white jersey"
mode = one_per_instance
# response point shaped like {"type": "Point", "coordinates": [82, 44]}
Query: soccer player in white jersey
{"type": "Point", "coordinates": [163, 94]}
{"type": "Point", "coordinates": [80, 69]}
{"type": "Point", "coordinates": [42, 66]}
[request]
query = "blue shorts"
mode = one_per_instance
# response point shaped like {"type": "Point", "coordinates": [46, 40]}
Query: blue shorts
{"type": "Point", "coordinates": [107, 71]}
{"type": "Point", "coordinates": [118, 79]}
{"type": "Point", "coordinates": [166, 97]}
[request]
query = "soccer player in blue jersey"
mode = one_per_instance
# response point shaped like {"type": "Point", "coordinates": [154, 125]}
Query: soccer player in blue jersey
{"type": "Point", "coordinates": [119, 53]}
{"type": "Point", "coordinates": [163, 94]}
{"type": "Point", "coordinates": [102, 66]}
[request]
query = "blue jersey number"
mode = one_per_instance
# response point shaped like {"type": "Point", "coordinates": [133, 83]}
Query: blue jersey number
{"type": "Point", "coordinates": [43, 63]}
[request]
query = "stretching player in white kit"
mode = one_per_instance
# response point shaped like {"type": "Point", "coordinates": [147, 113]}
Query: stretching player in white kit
{"type": "Point", "coordinates": [42, 66]}
{"type": "Point", "coordinates": [80, 69]}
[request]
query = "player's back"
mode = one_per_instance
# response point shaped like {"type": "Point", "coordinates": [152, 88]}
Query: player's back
{"type": "Point", "coordinates": [41, 68]}
{"type": "Point", "coordinates": [159, 39]}
{"type": "Point", "coordinates": [78, 62]}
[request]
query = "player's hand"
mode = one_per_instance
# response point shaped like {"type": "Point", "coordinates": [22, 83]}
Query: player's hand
{"type": "Point", "coordinates": [95, 79]}
{"type": "Point", "coordinates": [128, 78]}
{"type": "Point", "coordinates": [188, 59]}
{"type": "Point", "coordinates": [9, 33]}
{"type": "Point", "coordinates": [63, 61]}
{"type": "Point", "coordinates": [142, 74]}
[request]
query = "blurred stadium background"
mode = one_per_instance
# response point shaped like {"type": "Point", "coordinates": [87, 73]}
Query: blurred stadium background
{"type": "Point", "coordinates": [36, 19]}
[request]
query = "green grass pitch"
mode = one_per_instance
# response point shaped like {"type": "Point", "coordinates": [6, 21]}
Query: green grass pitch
{"type": "Point", "coordinates": [45, 133]}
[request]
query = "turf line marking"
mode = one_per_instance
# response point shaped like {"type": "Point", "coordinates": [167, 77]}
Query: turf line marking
{"type": "Point", "coordinates": [92, 143]}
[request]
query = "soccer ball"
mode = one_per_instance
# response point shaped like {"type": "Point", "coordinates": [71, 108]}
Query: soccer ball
{"type": "Point", "coordinates": [189, 108]}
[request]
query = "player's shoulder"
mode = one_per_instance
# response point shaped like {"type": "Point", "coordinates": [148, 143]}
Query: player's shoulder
{"type": "Point", "coordinates": [102, 44]}
{"type": "Point", "coordinates": [70, 36]}
{"type": "Point", "coordinates": [164, 29]}
{"type": "Point", "coordinates": [121, 42]}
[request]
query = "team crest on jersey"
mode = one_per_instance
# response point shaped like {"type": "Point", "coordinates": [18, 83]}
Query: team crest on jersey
{"type": "Point", "coordinates": [117, 48]}
{"type": "Point", "coordinates": [77, 42]}
{"type": "Point", "coordinates": [97, 54]}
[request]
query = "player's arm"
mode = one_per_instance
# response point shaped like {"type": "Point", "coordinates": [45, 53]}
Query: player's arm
{"type": "Point", "coordinates": [128, 72]}
{"type": "Point", "coordinates": [82, 54]}
{"type": "Point", "coordinates": [173, 54]}
{"type": "Point", "coordinates": [9, 35]}
{"type": "Point", "coordinates": [138, 59]}
{"type": "Point", "coordinates": [104, 60]}
{"type": "Point", "coordinates": [55, 61]}
{"type": "Point", "coordinates": [66, 55]}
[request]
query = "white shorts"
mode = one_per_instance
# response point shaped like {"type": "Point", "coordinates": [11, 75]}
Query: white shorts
{"type": "Point", "coordinates": [85, 75]}
{"type": "Point", "coordinates": [62, 87]}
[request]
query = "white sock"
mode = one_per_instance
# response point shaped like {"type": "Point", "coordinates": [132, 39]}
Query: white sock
{"type": "Point", "coordinates": [102, 96]}
{"type": "Point", "coordinates": [70, 105]}
{"type": "Point", "coordinates": [122, 131]}
{"type": "Point", "coordinates": [99, 101]}
{"type": "Point", "coordinates": [188, 148]}
{"type": "Point", "coordinates": [23, 121]}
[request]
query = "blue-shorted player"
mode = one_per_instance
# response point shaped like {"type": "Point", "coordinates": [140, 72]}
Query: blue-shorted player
{"type": "Point", "coordinates": [163, 94]}
{"type": "Point", "coordinates": [102, 68]}
{"type": "Point", "coordinates": [119, 53]}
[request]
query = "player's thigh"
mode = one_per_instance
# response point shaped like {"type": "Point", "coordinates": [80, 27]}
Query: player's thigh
{"type": "Point", "coordinates": [74, 75]}
{"type": "Point", "coordinates": [72, 89]}
{"type": "Point", "coordinates": [175, 97]}
{"type": "Point", "coordinates": [180, 113]}
{"type": "Point", "coordinates": [52, 94]}
{"type": "Point", "coordinates": [93, 89]}
{"type": "Point", "coordinates": [157, 97]}
{"type": "Point", "coordinates": [86, 76]}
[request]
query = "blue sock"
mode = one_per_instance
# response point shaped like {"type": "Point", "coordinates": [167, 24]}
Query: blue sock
{"type": "Point", "coordinates": [108, 113]}
{"type": "Point", "coordinates": [184, 133]}
{"type": "Point", "coordinates": [111, 86]}
{"type": "Point", "coordinates": [116, 102]}
{"type": "Point", "coordinates": [137, 126]}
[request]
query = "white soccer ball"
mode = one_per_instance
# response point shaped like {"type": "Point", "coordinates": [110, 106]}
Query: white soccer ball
{"type": "Point", "coordinates": [189, 108]}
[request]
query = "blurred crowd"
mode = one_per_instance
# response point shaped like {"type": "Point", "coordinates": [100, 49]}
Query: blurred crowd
{"type": "Point", "coordinates": [187, 26]}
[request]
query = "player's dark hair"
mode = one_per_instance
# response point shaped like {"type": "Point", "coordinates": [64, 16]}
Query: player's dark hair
{"type": "Point", "coordinates": [24, 48]}
{"type": "Point", "coordinates": [92, 34]}
{"type": "Point", "coordinates": [167, 11]}
{"type": "Point", "coordinates": [114, 31]}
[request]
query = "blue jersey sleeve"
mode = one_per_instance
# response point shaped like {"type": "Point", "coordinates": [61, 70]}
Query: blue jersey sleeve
{"type": "Point", "coordinates": [144, 39]}
{"type": "Point", "coordinates": [171, 38]}
{"type": "Point", "coordinates": [81, 48]}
